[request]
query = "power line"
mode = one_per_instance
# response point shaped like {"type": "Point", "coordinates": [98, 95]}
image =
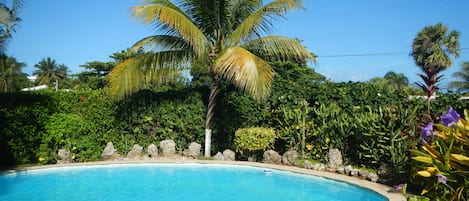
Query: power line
{"type": "Point", "coordinates": [364, 55]}
{"type": "Point", "coordinates": [374, 54]}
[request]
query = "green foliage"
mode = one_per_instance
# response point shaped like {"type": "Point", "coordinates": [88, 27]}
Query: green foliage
{"type": "Point", "coordinates": [444, 160]}
{"type": "Point", "coordinates": [385, 134]}
{"type": "Point", "coordinates": [22, 118]}
{"type": "Point", "coordinates": [11, 77]}
{"type": "Point", "coordinates": [296, 126]}
{"type": "Point", "coordinates": [150, 117]}
{"type": "Point", "coordinates": [61, 131]}
{"type": "Point", "coordinates": [417, 198]}
{"type": "Point", "coordinates": [34, 125]}
{"type": "Point", "coordinates": [331, 129]}
{"type": "Point", "coordinates": [49, 71]}
{"type": "Point", "coordinates": [249, 140]}
{"type": "Point", "coordinates": [461, 84]}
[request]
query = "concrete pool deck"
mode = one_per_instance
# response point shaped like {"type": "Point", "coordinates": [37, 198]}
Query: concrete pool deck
{"type": "Point", "coordinates": [384, 190]}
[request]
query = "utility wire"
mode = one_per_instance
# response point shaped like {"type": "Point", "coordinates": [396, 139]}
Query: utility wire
{"type": "Point", "coordinates": [363, 55]}
{"type": "Point", "coordinates": [374, 54]}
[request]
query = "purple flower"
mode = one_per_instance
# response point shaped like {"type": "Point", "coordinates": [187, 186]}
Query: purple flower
{"type": "Point", "coordinates": [441, 178]}
{"type": "Point", "coordinates": [451, 117]}
{"type": "Point", "coordinates": [427, 131]}
{"type": "Point", "coordinates": [398, 186]}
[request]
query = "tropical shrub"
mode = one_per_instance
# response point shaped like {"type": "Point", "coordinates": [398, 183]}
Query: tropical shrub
{"type": "Point", "coordinates": [296, 126]}
{"type": "Point", "coordinates": [444, 157]}
{"type": "Point", "coordinates": [385, 134]}
{"type": "Point", "coordinates": [61, 131]}
{"type": "Point", "coordinates": [248, 141]}
{"type": "Point", "coordinates": [331, 127]}
{"type": "Point", "coordinates": [22, 117]}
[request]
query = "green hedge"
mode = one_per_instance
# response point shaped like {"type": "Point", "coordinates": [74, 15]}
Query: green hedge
{"type": "Point", "coordinates": [34, 125]}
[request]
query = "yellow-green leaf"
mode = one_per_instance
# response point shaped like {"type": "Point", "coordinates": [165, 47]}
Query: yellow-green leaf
{"type": "Point", "coordinates": [432, 170]}
{"type": "Point", "coordinates": [430, 150]}
{"type": "Point", "coordinates": [460, 158]}
{"type": "Point", "coordinates": [423, 159]}
{"type": "Point", "coordinates": [424, 173]}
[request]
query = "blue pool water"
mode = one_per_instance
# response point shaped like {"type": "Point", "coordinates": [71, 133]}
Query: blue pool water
{"type": "Point", "coordinates": [182, 182]}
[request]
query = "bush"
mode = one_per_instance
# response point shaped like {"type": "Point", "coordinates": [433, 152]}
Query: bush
{"type": "Point", "coordinates": [34, 125]}
{"type": "Point", "coordinates": [150, 117]}
{"type": "Point", "coordinates": [248, 141]}
{"type": "Point", "coordinates": [22, 118]}
{"type": "Point", "coordinates": [385, 135]}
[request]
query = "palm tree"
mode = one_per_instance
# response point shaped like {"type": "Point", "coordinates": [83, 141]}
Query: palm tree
{"type": "Point", "coordinates": [431, 49]}
{"type": "Point", "coordinates": [11, 76]}
{"type": "Point", "coordinates": [397, 79]}
{"type": "Point", "coordinates": [8, 20]}
{"type": "Point", "coordinates": [462, 78]}
{"type": "Point", "coordinates": [225, 35]}
{"type": "Point", "coordinates": [49, 71]}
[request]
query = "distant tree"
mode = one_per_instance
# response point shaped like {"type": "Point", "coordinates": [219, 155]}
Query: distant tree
{"type": "Point", "coordinates": [398, 79]}
{"type": "Point", "coordinates": [8, 20]}
{"type": "Point", "coordinates": [431, 50]}
{"type": "Point", "coordinates": [95, 75]}
{"type": "Point", "coordinates": [394, 81]}
{"type": "Point", "coordinates": [125, 54]}
{"type": "Point", "coordinates": [98, 68]}
{"type": "Point", "coordinates": [462, 79]}
{"type": "Point", "coordinates": [48, 71]}
{"type": "Point", "coordinates": [62, 70]}
{"type": "Point", "coordinates": [11, 76]}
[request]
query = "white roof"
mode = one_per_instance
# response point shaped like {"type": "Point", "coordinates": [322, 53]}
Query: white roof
{"type": "Point", "coordinates": [35, 88]}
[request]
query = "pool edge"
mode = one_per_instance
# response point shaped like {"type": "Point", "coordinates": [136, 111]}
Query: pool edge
{"type": "Point", "coordinates": [381, 189]}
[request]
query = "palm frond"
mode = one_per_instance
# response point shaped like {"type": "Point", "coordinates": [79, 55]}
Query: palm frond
{"type": "Point", "coordinates": [161, 43]}
{"type": "Point", "coordinates": [459, 84]}
{"type": "Point", "coordinates": [238, 10]}
{"type": "Point", "coordinates": [126, 78]}
{"type": "Point", "coordinates": [208, 15]}
{"type": "Point", "coordinates": [151, 68]}
{"type": "Point", "coordinates": [246, 71]}
{"type": "Point", "coordinates": [171, 20]}
{"type": "Point", "coordinates": [166, 3]}
{"type": "Point", "coordinates": [279, 48]}
{"type": "Point", "coordinates": [16, 5]}
{"type": "Point", "coordinates": [259, 22]}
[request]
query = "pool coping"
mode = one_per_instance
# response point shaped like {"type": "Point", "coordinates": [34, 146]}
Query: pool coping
{"type": "Point", "coordinates": [386, 191]}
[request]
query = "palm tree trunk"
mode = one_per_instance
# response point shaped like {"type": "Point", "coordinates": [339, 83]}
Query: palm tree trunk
{"type": "Point", "coordinates": [210, 111]}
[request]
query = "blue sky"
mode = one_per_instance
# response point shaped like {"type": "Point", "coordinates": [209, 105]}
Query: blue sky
{"type": "Point", "coordinates": [355, 40]}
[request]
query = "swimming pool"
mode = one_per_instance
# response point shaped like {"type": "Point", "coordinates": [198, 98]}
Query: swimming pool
{"type": "Point", "coordinates": [205, 182]}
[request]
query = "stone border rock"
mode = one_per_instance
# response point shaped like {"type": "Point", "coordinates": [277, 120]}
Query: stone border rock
{"type": "Point", "coordinates": [384, 190]}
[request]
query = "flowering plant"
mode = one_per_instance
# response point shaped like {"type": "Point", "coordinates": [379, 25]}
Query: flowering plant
{"type": "Point", "coordinates": [445, 156]}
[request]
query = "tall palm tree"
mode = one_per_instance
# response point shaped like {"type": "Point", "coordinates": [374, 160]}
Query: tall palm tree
{"type": "Point", "coordinates": [8, 20]}
{"type": "Point", "coordinates": [225, 35]}
{"type": "Point", "coordinates": [462, 79]}
{"type": "Point", "coordinates": [48, 71]}
{"type": "Point", "coordinates": [431, 50]}
{"type": "Point", "coordinates": [11, 76]}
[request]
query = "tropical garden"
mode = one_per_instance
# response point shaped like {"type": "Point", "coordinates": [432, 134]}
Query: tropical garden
{"type": "Point", "coordinates": [212, 74]}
